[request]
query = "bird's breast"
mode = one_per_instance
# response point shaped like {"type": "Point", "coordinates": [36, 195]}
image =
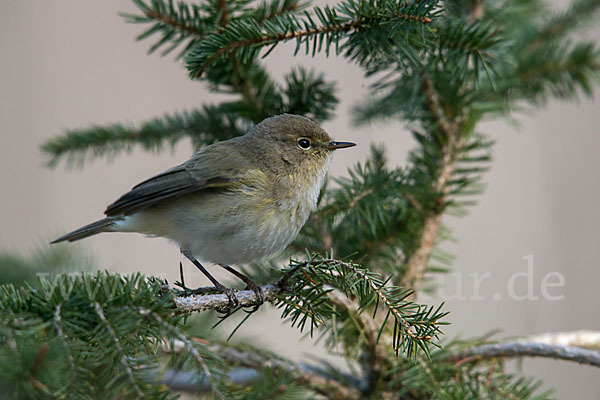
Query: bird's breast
{"type": "Point", "coordinates": [255, 219]}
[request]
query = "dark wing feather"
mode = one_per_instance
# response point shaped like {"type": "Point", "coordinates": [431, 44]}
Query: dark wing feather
{"type": "Point", "coordinates": [183, 179]}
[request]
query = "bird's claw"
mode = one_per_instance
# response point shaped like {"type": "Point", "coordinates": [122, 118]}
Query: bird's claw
{"type": "Point", "coordinates": [233, 303]}
{"type": "Point", "coordinates": [260, 297]}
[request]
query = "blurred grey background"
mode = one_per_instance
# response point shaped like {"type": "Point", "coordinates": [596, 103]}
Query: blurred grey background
{"type": "Point", "coordinates": [73, 63]}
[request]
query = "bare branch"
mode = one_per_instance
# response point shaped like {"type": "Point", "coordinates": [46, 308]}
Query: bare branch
{"type": "Point", "coordinates": [191, 382]}
{"type": "Point", "coordinates": [582, 338]}
{"type": "Point", "coordinates": [220, 301]}
{"type": "Point", "coordinates": [527, 349]}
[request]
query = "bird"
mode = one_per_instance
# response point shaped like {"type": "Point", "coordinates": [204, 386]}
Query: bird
{"type": "Point", "coordinates": [233, 202]}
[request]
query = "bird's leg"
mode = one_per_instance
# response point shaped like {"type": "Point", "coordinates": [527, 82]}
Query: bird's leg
{"type": "Point", "coordinates": [233, 301]}
{"type": "Point", "coordinates": [186, 291]}
{"type": "Point", "coordinates": [250, 285]}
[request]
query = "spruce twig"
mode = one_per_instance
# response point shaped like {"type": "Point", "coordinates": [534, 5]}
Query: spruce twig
{"type": "Point", "coordinates": [374, 361]}
{"type": "Point", "coordinates": [177, 24]}
{"type": "Point", "coordinates": [321, 384]}
{"type": "Point", "coordinates": [218, 45]}
{"type": "Point", "coordinates": [304, 374]}
{"type": "Point", "coordinates": [119, 348]}
{"type": "Point", "coordinates": [37, 363]}
{"type": "Point", "coordinates": [57, 322]}
{"type": "Point", "coordinates": [305, 297]}
{"type": "Point", "coordinates": [189, 347]}
{"type": "Point", "coordinates": [408, 327]}
{"type": "Point", "coordinates": [418, 261]}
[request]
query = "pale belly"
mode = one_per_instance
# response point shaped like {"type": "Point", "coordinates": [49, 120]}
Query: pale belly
{"type": "Point", "coordinates": [224, 228]}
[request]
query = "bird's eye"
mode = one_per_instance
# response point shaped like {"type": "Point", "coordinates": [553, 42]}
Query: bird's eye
{"type": "Point", "coordinates": [304, 144]}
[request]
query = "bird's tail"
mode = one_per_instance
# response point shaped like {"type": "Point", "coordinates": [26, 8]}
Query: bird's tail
{"type": "Point", "coordinates": [103, 225]}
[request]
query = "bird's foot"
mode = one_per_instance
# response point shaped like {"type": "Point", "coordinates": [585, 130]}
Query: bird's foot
{"type": "Point", "coordinates": [250, 285]}
{"type": "Point", "coordinates": [260, 297]}
{"type": "Point", "coordinates": [233, 305]}
{"type": "Point", "coordinates": [185, 291]}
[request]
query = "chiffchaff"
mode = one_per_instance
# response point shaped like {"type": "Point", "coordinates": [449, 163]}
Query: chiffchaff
{"type": "Point", "coordinates": [233, 202]}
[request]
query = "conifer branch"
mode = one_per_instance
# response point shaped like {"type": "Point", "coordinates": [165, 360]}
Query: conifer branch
{"type": "Point", "coordinates": [486, 382]}
{"type": "Point", "coordinates": [243, 85]}
{"type": "Point", "coordinates": [305, 93]}
{"type": "Point", "coordinates": [252, 36]}
{"type": "Point", "coordinates": [578, 12]}
{"type": "Point", "coordinates": [433, 105]}
{"type": "Point", "coordinates": [443, 79]}
{"type": "Point", "coordinates": [121, 353]}
{"type": "Point", "coordinates": [35, 367]}
{"type": "Point", "coordinates": [527, 349]}
{"type": "Point", "coordinates": [374, 361]}
{"type": "Point", "coordinates": [258, 361]}
{"type": "Point", "coordinates": [321, 384]}
{"type": "Point", "coordinates": [273, 39]}
{"type": "Point", "coordinates": [57, 322]}
{"type": "Point", "coordinates": [583, 338]}
{"type": "Point", "coordinates": [409, 328]}
{"type": "Point", "coordinates": [224, 12]}
{"type": "Point", "coordinates": [189, 347]}
{"type": "Point", "coordinates": [418, 261]}
{"type": "Point", "coordinates": [428, 377]}
{"type": "Point", "coordinates": [175, 23]}
{"type": "Point", "coordinates": [203, 126]}
{"type": "Point", "coordinates": [266, 11]}
{"type": "Point", "coordinates": [205, 302]}
{"type": "Point", "coordinates": [303, 289]}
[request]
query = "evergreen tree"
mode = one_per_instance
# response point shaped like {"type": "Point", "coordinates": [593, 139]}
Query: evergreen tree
{"type": "Point", "coordinates": [440, 67]}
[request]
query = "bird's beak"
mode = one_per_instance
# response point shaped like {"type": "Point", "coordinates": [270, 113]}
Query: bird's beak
{"type": "Point", "coordinates": [333, 145]}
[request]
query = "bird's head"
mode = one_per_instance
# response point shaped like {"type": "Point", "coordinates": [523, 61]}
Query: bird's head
{"type": "Point", "coordinates": [294, 144]}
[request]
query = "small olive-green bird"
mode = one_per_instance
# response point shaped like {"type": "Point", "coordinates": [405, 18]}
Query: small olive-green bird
{"type": "Point", "coordinates": [233, 202]}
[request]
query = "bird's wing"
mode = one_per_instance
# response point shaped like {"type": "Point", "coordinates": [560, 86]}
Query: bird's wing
{"type": "Point", "coordinates": [199, 173]}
